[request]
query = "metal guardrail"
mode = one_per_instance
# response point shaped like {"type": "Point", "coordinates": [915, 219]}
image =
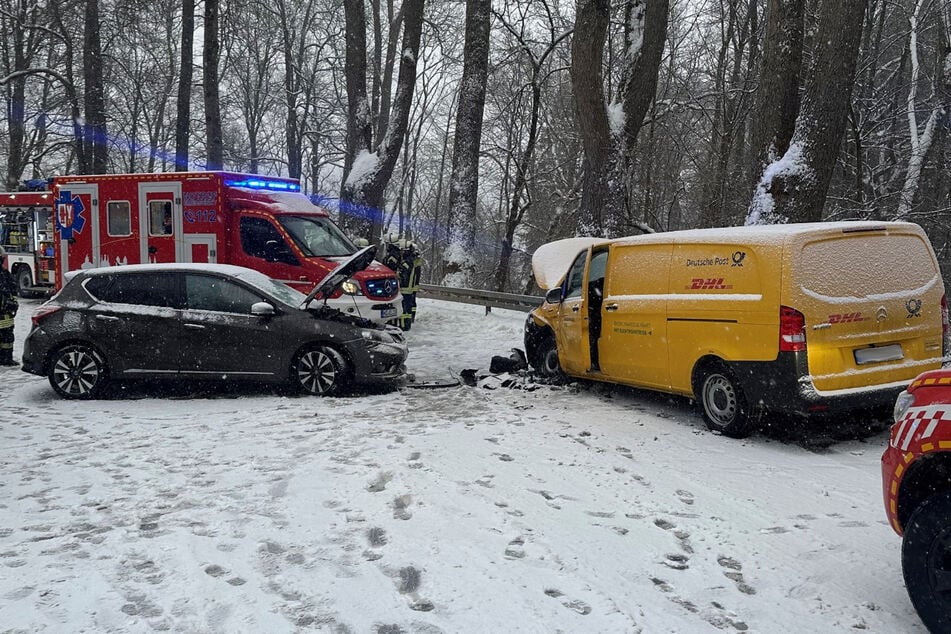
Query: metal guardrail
{"type": "Point", "coordinates": [489, 299]}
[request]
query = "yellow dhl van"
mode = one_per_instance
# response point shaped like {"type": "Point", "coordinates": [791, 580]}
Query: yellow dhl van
{"type": "Point", "coordinates": [799, 318]}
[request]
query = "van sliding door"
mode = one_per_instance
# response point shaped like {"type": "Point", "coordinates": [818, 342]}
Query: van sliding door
{"type": "Point", "coordinates": [633, 345]}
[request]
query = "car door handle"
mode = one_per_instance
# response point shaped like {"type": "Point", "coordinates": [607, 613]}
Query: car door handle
{"type": "Point", "coordinates": [106, 318]}
{"type": "Point", "coordinates": [611, 307]}
{"type": "Point", "coordinates": [195, 326]}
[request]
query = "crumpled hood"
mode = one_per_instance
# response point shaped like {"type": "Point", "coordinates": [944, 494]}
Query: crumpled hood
{"type": "Point", "coordinates": [345, 270]}
{"type": "Point", "coordinates": [551, 261]}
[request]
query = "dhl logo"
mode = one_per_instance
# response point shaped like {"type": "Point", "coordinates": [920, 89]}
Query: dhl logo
{"type": "Point", "coordinates": [707, 284]}
{"type": "Point", "coordinates": [846, 318]}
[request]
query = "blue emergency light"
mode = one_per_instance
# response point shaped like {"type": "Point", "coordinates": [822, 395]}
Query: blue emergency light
{"type": "Point", "coordinates": [262, 183]}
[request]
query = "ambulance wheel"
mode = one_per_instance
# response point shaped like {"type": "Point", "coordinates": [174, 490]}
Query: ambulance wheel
{"type": "Point", "coordinates": [926, 561]}
{"type": "Point", "coordinates": [320, 371]}
{"type": "Point", "coordinates": [77, 371]}
{"type": "Point", "coordinates": [724, 405]}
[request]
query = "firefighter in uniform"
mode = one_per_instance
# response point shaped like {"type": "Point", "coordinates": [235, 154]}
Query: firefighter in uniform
{"type": "Point", "coordinates": [411, 266]}
{"type": "Point", "coordinates": [392, 260]}
{"type": "Point", "coordinates": [8, 308]}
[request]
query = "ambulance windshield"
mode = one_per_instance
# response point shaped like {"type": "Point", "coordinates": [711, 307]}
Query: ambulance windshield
{"type": "Point", "coordinates": [317, 236]}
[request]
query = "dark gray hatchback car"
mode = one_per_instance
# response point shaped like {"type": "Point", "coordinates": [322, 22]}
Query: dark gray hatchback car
{"type": "Point", "coordinates": [214, 322]}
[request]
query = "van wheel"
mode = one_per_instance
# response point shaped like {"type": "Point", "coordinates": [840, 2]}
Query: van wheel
{"type": "Point", "coordinates": [320, 371]}
{"type": "Point", "coordinates": [926, 561]}
{"type": "Point", "coordinates": [545, 358]}
{"type": "Point", "coordinates": [77, 371]}
{"type": "Point", "coordinates": [725, 409]}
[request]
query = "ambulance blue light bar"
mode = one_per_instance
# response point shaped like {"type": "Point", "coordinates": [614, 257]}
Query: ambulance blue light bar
{"type": "Point", "coordinates": [263, 183]}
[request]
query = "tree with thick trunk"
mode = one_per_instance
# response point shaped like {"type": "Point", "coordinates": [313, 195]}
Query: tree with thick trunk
{"type": "Point", "coordinates": [599, 190]}
{"type": "Point", "coordinates": [464, 182]}
{"type": "Point", "coordinates": [777, 97]}
{"type": "Point", "coordinates": [95, 138]}
{"type": "Point", "coordinates": [609, 146]}
{"type": "Point", "coordinates": [794, 187]}
{"type": "Point", "coordinates": [215, 144]}
{"type": "Point", "coordinates": [183, 117]}
{"type": "Point", "coordinates": [370, 170]}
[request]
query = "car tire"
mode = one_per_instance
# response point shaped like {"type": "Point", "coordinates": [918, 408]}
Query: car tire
{"type": "Point", "coordinates": [723, 403]}
{"type": "Point", "coordinates": [24, 281]}
{"type": "Point", "coordinates": [926, 561]}
{"type": "Point", "coordinates": [320, 371]}
{"type": "Point", "coordinates": [77, 371]}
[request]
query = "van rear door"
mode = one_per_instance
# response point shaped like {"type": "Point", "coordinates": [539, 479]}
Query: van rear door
{"type": "Point", "coordinates": [871, 297]}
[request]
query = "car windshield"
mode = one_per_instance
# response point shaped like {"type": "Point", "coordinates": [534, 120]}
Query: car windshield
{"type": "Point", "coordinates": [317, 236]}
{"type": "Point", "coordinates": [279, 290]}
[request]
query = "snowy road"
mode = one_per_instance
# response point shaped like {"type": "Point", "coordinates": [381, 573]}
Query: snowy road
{"type": "Point", "coordinates": [562, 509]}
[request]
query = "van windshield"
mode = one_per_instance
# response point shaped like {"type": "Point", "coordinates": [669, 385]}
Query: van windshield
{"type": "Point", "coordinates": [317, 236]}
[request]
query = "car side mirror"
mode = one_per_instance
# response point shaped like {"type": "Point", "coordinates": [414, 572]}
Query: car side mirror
{"type": "Point", "coordinates": [262, 309]}
{"type": "Point", "coordinates": [553, 296]}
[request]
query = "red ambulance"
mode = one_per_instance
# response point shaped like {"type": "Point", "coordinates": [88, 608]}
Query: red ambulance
{"type": "Point", "coordinates": [263, 223]}
{"type": "Point", "coordinates": [916, 477]}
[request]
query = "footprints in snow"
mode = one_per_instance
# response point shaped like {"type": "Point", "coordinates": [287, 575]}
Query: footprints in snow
{"type": "Point", "coordinates": [217, 571]}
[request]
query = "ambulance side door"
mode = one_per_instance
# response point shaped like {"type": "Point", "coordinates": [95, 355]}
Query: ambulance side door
{"type": "Point", "coordinates": [160, 222]}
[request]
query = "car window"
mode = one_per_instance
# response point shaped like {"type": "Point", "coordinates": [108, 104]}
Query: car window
{"type": "Point", "coordinates": [576, 276]}
{"type": "Point", "coordinates": [206, 292]}
{"type": "Point", "coordinates": [144, 289]}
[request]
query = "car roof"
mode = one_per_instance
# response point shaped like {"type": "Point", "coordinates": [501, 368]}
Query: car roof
{"type": "Point", "coordinates": [222, 269]}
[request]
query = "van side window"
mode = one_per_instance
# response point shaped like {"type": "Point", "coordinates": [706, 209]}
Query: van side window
{"type": "Point", "coordinates": [160, 217]}
{"type": "Point", "coordinates": [261, 239]}
{"type": "Point", "coordinates": [118, 218]}
{"type": "Point", "coordinates": [575, 279]}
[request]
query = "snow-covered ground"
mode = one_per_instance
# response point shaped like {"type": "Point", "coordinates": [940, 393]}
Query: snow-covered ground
{"type": "Point", "coordinates": [559, 509]}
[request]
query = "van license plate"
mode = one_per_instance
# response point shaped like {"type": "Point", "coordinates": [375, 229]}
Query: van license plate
{"type": "Point", "coordinates": [878, 355]}
{"type": "Point", "coordinates": [388, 312]}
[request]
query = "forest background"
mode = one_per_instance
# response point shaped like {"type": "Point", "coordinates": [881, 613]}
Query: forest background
{"type": "Point", "coordinates": [481, 129]}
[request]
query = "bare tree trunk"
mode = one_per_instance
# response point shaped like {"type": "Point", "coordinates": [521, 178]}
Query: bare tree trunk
{"type": "Point", "coordinates": [793, 189]}
{"type": "Point", "coordinates": [94, 137]}
{"type": "Point", "coordinates": [370, 173]}
{"type": "Point", "coordinates": [587, 81]}
{"type": "Point", "coordinates": [920, 143]}
{"type": "Point", "coordinates": [777, 98]}
{"type": "Point", "coordinates": [464, 188]}
{"type": "Point", "coordinates": [359, 130]}
{"type": "Point", "coordinates": [183, 117]}
{"type": "Point", "coordinates": [215, 148]}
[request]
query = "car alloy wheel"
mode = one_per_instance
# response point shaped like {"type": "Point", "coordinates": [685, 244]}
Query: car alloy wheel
{"type": "Point", "coordinates": [77, 371]}
{"type": "Point", "coordinates": [321, 371]}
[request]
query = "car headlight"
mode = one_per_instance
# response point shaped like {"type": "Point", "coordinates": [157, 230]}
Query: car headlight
{"type": "Point", "coordinates": [377, 336]}
{"type": "Point", "coordinates": [351, 287]}
{"type": "Point", "coordinates": [902, 403]}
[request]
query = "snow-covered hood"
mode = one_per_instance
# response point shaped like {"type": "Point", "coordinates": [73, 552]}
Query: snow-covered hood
{"type": "Point", "coordinates": [551, 261]}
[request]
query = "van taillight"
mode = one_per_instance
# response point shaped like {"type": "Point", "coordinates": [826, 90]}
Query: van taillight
{"type": "Point", "coordinates": [944, 327]}
{"type": "Point", "coordinates": [42, 313]}
{"type": "Point", "coordinates": [792, 330]}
